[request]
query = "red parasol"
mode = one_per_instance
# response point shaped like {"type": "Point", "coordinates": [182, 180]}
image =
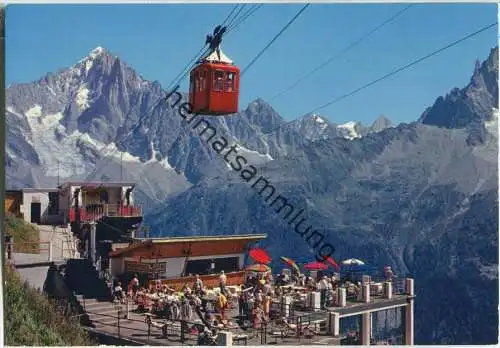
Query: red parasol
{"type": "Point", "coordinates": [315, 266]}
{"type": "Point", "coordinates": [260, 256]}
{"type": "Point", "coordinates": [332, 262]}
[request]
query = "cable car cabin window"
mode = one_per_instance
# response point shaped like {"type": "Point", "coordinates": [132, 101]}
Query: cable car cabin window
{"type": "Point", "coordinates": [204, 81]}
{"type": "Point", "coordinates": [219, 80]}
{"type": "Point", "coordinates": [196, 82]}
{"type": "Point", "coordinates": [199, 82]}
{"type": "Point", "coordinates": [192, 84]}
{"type": "Point", "coordinates": [230, 82]}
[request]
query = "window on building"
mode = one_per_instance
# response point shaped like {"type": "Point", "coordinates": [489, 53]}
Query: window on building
{"type": "Point", "coordinates": [53, 203]}
{"type": "Point", "coordinates": [198, 267]}
{"type": "Point", "coordinates": [226, 264]}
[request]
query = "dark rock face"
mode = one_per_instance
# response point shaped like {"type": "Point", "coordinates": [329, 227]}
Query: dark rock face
{"type": "Point", "coordinates": [421, 197]}
{"type": "Point", "coordinates": [463, 107]}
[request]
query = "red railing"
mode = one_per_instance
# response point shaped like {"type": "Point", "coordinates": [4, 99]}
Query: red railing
{"type": "Point", "coordinates": [92, 213]}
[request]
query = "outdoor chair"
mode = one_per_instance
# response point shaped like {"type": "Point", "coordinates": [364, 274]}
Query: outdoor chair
{"type": "Point", "coordinates": [237, 339]}
{"type": "Point", "coordinates": [287, 328]}
{"type": "Point", "coordinates": [162, 326]}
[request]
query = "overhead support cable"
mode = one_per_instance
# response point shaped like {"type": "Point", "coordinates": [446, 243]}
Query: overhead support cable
{"type": "Point", "coordinates": [407, 66]}
{"type": "Point", "coordinates": [274, 39]}
{"type": "Point", "coordinates": [345, 50]}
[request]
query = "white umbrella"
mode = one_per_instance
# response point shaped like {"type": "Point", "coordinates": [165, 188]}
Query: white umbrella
{"type": "Point", "coordinates": [352, 262]}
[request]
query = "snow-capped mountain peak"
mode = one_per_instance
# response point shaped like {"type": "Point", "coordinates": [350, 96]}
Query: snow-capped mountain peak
{"type": "Point", "coordinates": [317, 118]}
{"type": "Point", "coordinates": [350, 130]}
{"type": "Point", "coordinates": [97, 51]}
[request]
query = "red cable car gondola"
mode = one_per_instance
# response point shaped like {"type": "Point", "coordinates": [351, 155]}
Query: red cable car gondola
{"type": "Point", "coordinates": [214, 83]}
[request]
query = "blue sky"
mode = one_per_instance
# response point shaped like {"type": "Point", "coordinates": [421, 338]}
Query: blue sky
{"type": "Point", "coordinates": [159, 40]}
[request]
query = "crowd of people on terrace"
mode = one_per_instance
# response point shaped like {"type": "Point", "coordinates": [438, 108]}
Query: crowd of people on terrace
{"type": "Point", "coordinates": [253, 299]}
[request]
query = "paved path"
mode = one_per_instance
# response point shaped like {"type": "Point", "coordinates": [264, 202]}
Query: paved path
{"type": "Point", "coordinates": [63, 242]}
{"type": "Point", "coordinates": [21, 259]}
{"type": "Point", "coordinates": [137, 330]}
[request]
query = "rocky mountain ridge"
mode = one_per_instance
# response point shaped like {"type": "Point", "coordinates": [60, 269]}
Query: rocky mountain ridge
{"type": "Point", "coordinates": [422, 197]}
{"type": "Point", "coordinates": [68, 122]}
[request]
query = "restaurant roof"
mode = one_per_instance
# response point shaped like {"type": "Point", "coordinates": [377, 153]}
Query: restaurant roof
{"type": "Point", "coordinates": [143, 242]}
{"type": "Point", "coordinates": [205, 238]}
{"type": "Point", "coordinates": [99, 183]}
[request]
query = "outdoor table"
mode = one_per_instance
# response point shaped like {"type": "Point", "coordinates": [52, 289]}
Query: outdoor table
{"type": "Point", "coordinates": [239, 338]}
{"type": "Point", "coordinates": [317, 324]}
{"type": "Point", "coordinates": [376, 287]}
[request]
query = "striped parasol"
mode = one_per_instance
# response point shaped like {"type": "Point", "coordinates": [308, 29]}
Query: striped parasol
{"type": "Point", "coordinates": [258, 267]}
{"type": "Point", "coordinates": [290, 263]}
{"type": "Point", "coordinates": [352, 262]}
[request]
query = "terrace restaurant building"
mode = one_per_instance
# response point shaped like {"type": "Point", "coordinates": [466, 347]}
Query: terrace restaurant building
{"type": "Point", "coordinates": [175, 259]}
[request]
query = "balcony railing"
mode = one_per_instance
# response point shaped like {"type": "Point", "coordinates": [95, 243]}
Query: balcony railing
{"type": "Point", "coordinates": [209, 280]}
{"type": "Point", "coordinates": [98, 211]}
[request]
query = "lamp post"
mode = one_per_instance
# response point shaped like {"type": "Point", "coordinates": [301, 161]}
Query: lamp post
{"type": "Point", "coordinates": [156, 266]}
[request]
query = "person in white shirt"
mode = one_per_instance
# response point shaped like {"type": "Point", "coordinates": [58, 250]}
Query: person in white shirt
{"type": "Point", "coordinates": [323, 287]}
{"type": "Point", "coordinates": [222, 283]}
{"type": "Point", "coordinates": [135, 285]}
{"type": "Point", "coordinates": [388, 273]}
{"type": "Point", "coordinates": [258, 296]}
{"type": "Point", "coordinates": [222, 277]}
{"type": "Point", "coordinates": [119, 291]}
{"type": "Point", "coordinates": [269, 278]}
{"type": "Point", "coordinates": [268, 289]}
{"type": "Point", "coordinates": [251, 303]}
{"type": "Point", "coordinates": [329, 291]}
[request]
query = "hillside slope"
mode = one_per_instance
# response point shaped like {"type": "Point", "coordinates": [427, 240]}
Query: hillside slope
{"type": "Point", "coordinates": [25, 235]}
{"type": "Point", "coordinates": [30, 319]}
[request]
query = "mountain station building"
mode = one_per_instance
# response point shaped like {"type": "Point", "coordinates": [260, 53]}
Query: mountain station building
{"type": "Point", "coordinates": [175, 259]}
